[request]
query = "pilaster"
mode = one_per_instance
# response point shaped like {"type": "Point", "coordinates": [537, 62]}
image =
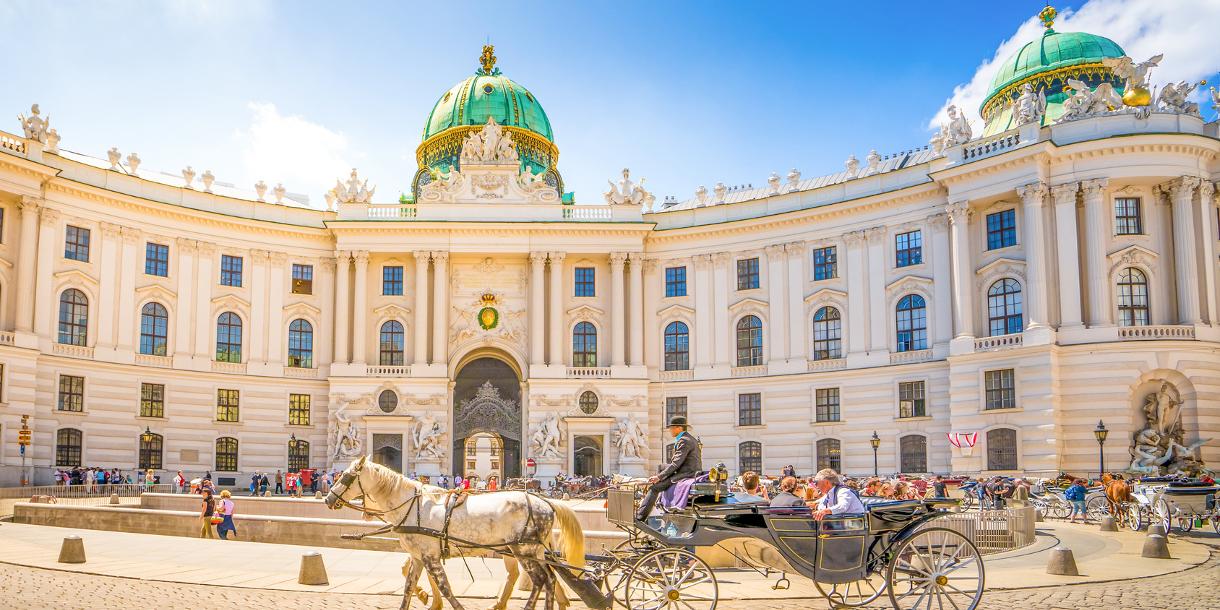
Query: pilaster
{"type": "Point", "coordinates": [1181, 195]}
{"type": "Point", "coordinates": [636, 296]}
{"type": "Point", "coordinates": [777, 307]}
{"type": "Point", "coordinates": [184, 320]}
{"type": "Point", "coordinates": [419, 326]}
{"type": "Point", "coordinates": [343, 266]}
{"type": "Point", "coordinates": [617, 310]}
{"type": "Point", "coordinates": [1033, 197]}
{"type": "Point", "coordinates": [1068, 261]}
{"type": "Point", "coordinates": [360, 308]}
{"type": "Point", "coordinates": [1097, 236]}
{"type": "Point", "coordinates": [555, 352]}
{"type": "Point", "coordinates": [440, 308]}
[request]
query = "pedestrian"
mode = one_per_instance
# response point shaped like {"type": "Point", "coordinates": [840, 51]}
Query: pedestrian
{"type": "Point", "coordinates": [226, 516]}
{"type": "Point", "coordinates": [493, 484]}
{"type": "Point", "coordinates": [938, 487]}
{"type": "Point", "coordinates": [179, 483]}
{"type": "Point", "coordinates": [313, 481]}
{"type": "Point", "coordinates": [205, 515]}
{"type": "Point", "coordinates": [263, 485]}
{"type": "Point", "coordinates": [290, 481]}
{"type": "Point", "coordinates": [279, 483]}
{"type": "Point", "coordinates": [1076, 494]}
{"type": "Point", "coordinates": [149, 480]}
{"type": "Point", "coordinates": [254, 484]}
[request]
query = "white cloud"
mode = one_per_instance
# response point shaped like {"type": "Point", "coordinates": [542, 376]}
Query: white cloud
{"type": "Point", "coordinates": [1182, 30]}
{"type": "Point", "coordinates": [306, 157]}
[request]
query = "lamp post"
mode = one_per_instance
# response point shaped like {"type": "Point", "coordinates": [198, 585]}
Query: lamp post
{"type": "Point", "coordinates": [145, 449]}
{"type": "Point", "coordinates": [876, 443]}
{"type": "Point", "coordinates": [1100, 433]}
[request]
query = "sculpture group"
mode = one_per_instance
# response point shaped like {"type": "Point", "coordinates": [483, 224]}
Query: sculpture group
{"type": "Point", "coordinates": [1159, 448]}
{"type": "Point", "coordinates": [354, 191]}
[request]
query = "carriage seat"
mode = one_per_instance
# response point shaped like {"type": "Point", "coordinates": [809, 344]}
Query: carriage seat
{"type": "Point", "coordinates": [705, 493]}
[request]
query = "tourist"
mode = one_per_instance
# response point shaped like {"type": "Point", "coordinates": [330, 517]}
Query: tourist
{"type": "Point", "coordinates": [938, 487]}
{"type": "Point", "coordinates": [903, 491]}
{"type": "Point", "coordinates": [886, 490]}
{"type": "Point", "coordinates": [1076, 494]}
{"type": "Point", "coordinates": [750, 488]}
{"type": "Point", "coordinates": [263, 485]}
{"type": "Point", "coordinates": [837, 499]}
{"type": "Point", "coordinates": [179, 483]}
{"type": "Point", "coordinates": [254, 484]}
{"type": "Point", "coordinates": [787, 494]}
{"type": "Point", "coordinates": [787, 471]}
{"type": "Point", "coordinates": [205, 516]}
{"type": "Point", "coordinates": [279, 483]}
{"type": "Point", "coordinates": [493, 484]}
{"type": "Point", "coordinates": [226, 515]}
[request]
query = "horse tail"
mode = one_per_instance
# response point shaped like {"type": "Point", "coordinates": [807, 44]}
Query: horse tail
{"type": "Point", "coordinates": [571, 536]}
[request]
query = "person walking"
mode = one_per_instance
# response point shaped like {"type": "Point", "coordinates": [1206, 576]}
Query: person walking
{"type": "Point", "coordinates": [279, 483]}
{"type": "Point", "coordinates": [263, 485]}
{"type": "Point", "coordinates": [179, 483]}
{"type": "Point", "coordinates": [205, 516]}
{"type": "Point", "coordinates": [1076, 494]}
{"type": "Point", "coordinates": [254, 484]}
{"type": "Point", "coordinates": [226, 515]}
{"type": "Point", "coordinates": [938, 487]}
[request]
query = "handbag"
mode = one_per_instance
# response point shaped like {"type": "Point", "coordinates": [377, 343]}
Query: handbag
{"type": "Point", "coordinates": [217, 520]}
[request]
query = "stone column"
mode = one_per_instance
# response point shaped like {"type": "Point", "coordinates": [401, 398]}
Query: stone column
{"type": "Point", "coordinates": [963, 270]}
{"type": "Point", "coordinates": [1069, 259]}
{"type": "Point", "coordinates": [637, 308]}
{"type": "Point", "coordinates": [777, 307]}
{"type": "Point", "coordinates": [798, 324]}
{"type": "Point", "coordinates": [440, 307]}
{"type": "Point", "coordinates": [724, 284]}
{"type": "Point", "coordinates": [360, 331]}
{"type": "Point", "coordinates": [205, 322]}
{"type": "Point", "coordinates": [183, 318]}
{"type": "Point", "coordinates": [256, 334]}
{"type": "Point", "coordinates": [618, 332]}
{"type": "Point", "coordinates": [555, 352]}
{"type": "Point", "coordinates": [536, 313]}
{"type": "Point", "coordinates": [878, 311]}
{"type": "Point", "coordinates": [1207, 224]}
{"type": "Point", "coordinates": [110, 268]}
{"type": "Point", "coordinates": [1182, 195]}
{"type": "Point", "coordinates": [1033, 197]}
{"type": "Point", "coordinates": [130, 261]}
{"type": "Point", "coordinates": [1160, 224]}
{"type": "Point", "coordinates": [942, 310]}
{"type": "Point", "coordinates": [26, 263]}
{"type": "Point", "coordinates": [343, 293]}
{"type": "Point", "coordinates": [1097, 235]}
{"type": "Point", "coordinates": [857, 293]}
{"type": "Point", "coordinates": [419, 324]}
{"type": "Point", "coordinates": [324, 286]}
{"type": "Point", "coordinates": [276, 344]}
{"type": "Point", "coordinates": [704, 333]}
{"type": "Point", "coordinates": [45, 307]}
{"type": "Point", "coordinates": [652, 326]}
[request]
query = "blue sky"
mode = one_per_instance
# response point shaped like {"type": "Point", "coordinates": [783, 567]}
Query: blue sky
{"type": "Point", "coordinates": [682, 93]}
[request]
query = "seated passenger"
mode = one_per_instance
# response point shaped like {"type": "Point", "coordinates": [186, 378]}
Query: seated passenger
{"type": "Point", "coordinates": [752, 491]}
{"type": "Point", "coordinates": [785, 497]}
{"type": "Point", "coordinates": [836, 499]}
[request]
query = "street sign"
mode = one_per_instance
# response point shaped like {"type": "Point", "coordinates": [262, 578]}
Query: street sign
{"type": "Point", "coordinates": [22, 450]}
{"type": "Point", "coordinates": [531, 463]}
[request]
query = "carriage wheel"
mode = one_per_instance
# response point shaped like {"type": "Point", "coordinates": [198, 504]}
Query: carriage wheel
{"type": "Point", "coordinates": [1135, 517]}
{"type": "Point", "coordinates": [673, 579]}
{"type": "Point", "coordinates": [853, 594]}
{"type": "Point", "coordinates": [1163, 514]}
{"type": "Point", "coordinates": [936, 565]}
{"type": "Point", "coordinates": [1216, 523]}
{"type": "Point", "coordinates": [1185, 523]}
{"type": "Point", "coordinates": [1062, 510]}
{"type": "Point", "coordinates": [1096, 508]}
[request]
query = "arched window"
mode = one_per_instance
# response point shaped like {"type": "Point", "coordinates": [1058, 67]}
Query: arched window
{"type": "Point", "coordinates": [1132, 298]}
{"type": "Point", "coordinates": [584, 344]}
{"type": "Point", "coordinates": [827, 334]}
{"type": "Point", "coordinates": [749, 456]}
{"type": "Point", "coordinates": [154, 329]}
{"type": "Point", "coordinates": [226, 454]}
{"type": "Point", "coordinates": [588, 402]}
{"type": "Point", "coordinates": [67, 447]}
{"type": "Point", "coordinates": [298, 455]}
{"type": "Point", "coordinates": [300, 344]}
{"type": "Point", "coordinates": [677, 347]}
{"type": "Point", "coordinates": [1004, 308]}
{"type": "Point", "coordinates": [749, 341]}
{"type": "Point", "coordinates": [73, 317]}
{"type": "Point", "coordinates": [392, 345]}
{"type": "Point", "coordinates": [150, 451]}
{"type": "Point", "coordinates": [829, 454]}
{"type": "Point", "coordinates": [1002, 449]}
{"type": "Point", "coordinates": [228, 337]}
{"type": "Point", "coordinates": [914, 454]}
{"type": "Point", "coordinates": [911, 320]}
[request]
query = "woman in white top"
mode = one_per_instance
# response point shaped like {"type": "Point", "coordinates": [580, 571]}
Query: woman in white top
{"type": "Point", "coordinates": [225, 508]}
{"type": "Point", "coordinates": [836, 499]}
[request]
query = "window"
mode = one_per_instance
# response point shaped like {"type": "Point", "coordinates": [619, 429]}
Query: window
{"type": "Point", "coordinates": [1132, 298]}
{"type": "Point", "coordinates": [585, 282]}
{"type": "Point", "coordinates": [387, 401]}
{"type": "Point", "coordinates": [588, 402]}
{"type": "Point", "coordinates": [1001, 389]}
{"type": "Point", "coordinates": [67, 447]}
{"type": "Point", "coordinates": [391, 280]}
{"type": "Point", "coordinates": [302, 279]}
{"type": "Point", "coordinates": [156, 259]}
{"type": "Point", "coordinates": [1002, 449]}
{"type": "Point", "coordinates": [230, 270]}
{"type": "Point", "coordinates": [298, 409]}
{"type": "Point", "coordinates": [912, 323]}
{"type": "Point", "coordinates": [908, 248]}
{"type": "Point", "coordinates": [228, 338]}
{"type": "Point", "coordinates": [749, 456]}
{"type": "Point", "coordinates": [392, 345]}
{"type": "Point", "coordinates": [747, 273]}
{"type": "Point", "coordinates": [913, 454]}
{"type": "Point", "coordinates": [584, 344]}
{"type": "Point", "coordinates": [1004, 307]}
{"type": "Point", "coordinates": [300, 344]}
{"type": "Point", "coordinates": [677, 347]}
{"type": "Point", "coordinates": [749, 341]}
{"type": "Point", "coordinates": [150, 451]}
{"type": "Point", "coordinates": [227, 405]}
{"type": "Point", "coordinates": [71, 393]}
{"type": "Point", "coordinates": [911, 399]}
{"type": "Point", "coordinates": [152, 400]}
{"type": "Point", "coordinates": [749, 409]}
{"type": "Point", "coordinates": [675, 281]}
{"type": "Point", "coordinates": [298, 455]}
{"type": "Point", "coordinates": [675, 406]}
{"type": "Point", "coordinates": [1001, 229]}
{"type": "Point", "coordinates": [1127, 217]}
{"type": "Point", "coordinates": [825, 263]}
{"type": "Point", "coordinates": [226, 454]}
{"type": "Point", "coordinates": [154, 329]}
{"type": "Point", "coordinates": [73, 317]}
{"type": "Point", "coordinates": [829, 454]}
{"type": "Point", "coordinates": [827, 334]}
{"type": "Point", "coordinates": [76, 244]}
{"type": "Point", "coordinates": [826, 404]}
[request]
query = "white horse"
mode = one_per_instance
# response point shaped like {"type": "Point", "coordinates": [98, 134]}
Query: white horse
{"type": "Point", "coordinates": [514, 521]}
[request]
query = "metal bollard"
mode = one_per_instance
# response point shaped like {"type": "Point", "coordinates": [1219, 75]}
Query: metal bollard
{"type": "Point", "coordinates": [1156, 544]}
{"type": "Point", "coordinates": [313, 570]}
{"type": "Point", "coordinates": [1062, 562]}
{"type": "Point", "coordinates": [73, 550]}
{"type": "Point", "coordinates": [1108, 525]}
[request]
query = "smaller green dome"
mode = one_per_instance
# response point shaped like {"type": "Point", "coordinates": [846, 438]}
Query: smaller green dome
{"type": "Point", "coordinates": [483, 96]}
{"type": "Point", "coordinates": [1052, 51]}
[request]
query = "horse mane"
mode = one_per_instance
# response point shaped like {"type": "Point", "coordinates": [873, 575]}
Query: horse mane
{"type": "Point", "coordinates": [390, 482]}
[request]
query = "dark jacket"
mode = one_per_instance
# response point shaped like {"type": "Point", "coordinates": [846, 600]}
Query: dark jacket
{"type": "Point", "coordinates": [785, 498]}
{"type": "Point", "coordinates": [687, 460]}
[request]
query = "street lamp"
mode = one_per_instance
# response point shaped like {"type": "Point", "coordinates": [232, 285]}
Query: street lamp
{"type": "Point", "coordinates": [876, 443]}
{"type": "Point", "coordinates": [1100, 433]}
{"type": "Point", "coordinates": [147, 436]}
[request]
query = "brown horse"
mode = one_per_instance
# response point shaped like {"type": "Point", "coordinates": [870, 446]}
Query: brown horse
{"type": "Point", "coordinates": [1118, 492]}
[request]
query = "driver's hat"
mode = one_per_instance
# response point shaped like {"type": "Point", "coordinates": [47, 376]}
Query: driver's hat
{"type": "Point", "coordinates": [678, 420]}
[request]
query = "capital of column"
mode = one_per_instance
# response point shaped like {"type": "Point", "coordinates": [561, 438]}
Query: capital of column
{"type": "Point", "coordinates": [186, 246]}
{"type": "Point", "coordinates": [439, 257]}
{"type": "Point", "coordinates": [1206, 191]}
{"type": "Point", "coordinates": [774, 250]}
{"type": "Point", "coordinates": [259, 256]}
{"type": "Point", "coordinates": [49, 216]}
{"type": "Point", "coordinates": [110, 230]}
{"type": "Point", "coordinates": [343, 256]}
{"type": "Point", "coordinates": [874, 235]}
{"type": "Point", "coordinates": [1065, 194]}
{"type": "Point", "coordinates": [853, 238]}
{"type": "Point", "coordinates": [278, 258]}
{"type": "Point", "coordinates": [556, 258]}
{"type": "Point", "coordinates": [617, 259]}
{"type": "Point", "coordinates": [422, 257]}
{"type": "Point", "coordinates": [959, 212]}
{"type": "Point", "coordinates": [938, 221]}
{"type": "Point", "coordinates": [1093, 188]}
{"type": "Point", "coordinates": [1182, 188]}
{"type": "Point", "coordinates": [721, 258]}
{"type": "Point", "coordinates": [327, 263]}
{"type": "Point", "coordinates": [650, 264]}
{"type": "Point", "coordinates": [361, 257]}
{"type": "Point", "coordinates": [796, 248]}
{"type": "Point", "coordinates": [1033, 194]}
{"type": "Point", "coordinates": [538, 258]}
{"type": "Point", "coordinates": [702, 261]}
{"type": "Point", "coordinates": [206, 248]}
{"type": "Point", "coordinates": [29, 204]}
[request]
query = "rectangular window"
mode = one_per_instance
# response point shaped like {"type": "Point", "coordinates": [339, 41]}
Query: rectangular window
{"type": "Point", "coordinates": [911, 399]}
{"type": "Point", "coordinates": [826, 404]}
{"type": "Point", "coordinates": [230, 270]}
{"type": "Point", "coordinates": [749, 409]}
{"type": "Point", "coordinates": [747, 273]}
{"type": "Point", "coordinates": [152, 400]}
{"type": "Point", "coordinates": [675, 281]}
{"type": "Point", "coordinates": [76, 244]}
{"type": "Point", "coordinates": [585, 282]}
{"type": "Point", "coordinates": [391, 280]}
{"type": "Point", "coordinates": [825, 264]}
{"type": "Point", "coordinates": [71, 393]}
{"type": "Point", "coordinates": [298, 409]}
{"type": "Point", "coordinates": [1001, 389]}
{"type": "Point", "coordinates": [1127, 217]}
{"type": "Point", "coordinates": [227, 404]}
{"type": "Point", "coordinates": [302, 279]}
{"type": "Point", "coordinates": [675, 406]}
{"type": "Point", "coordinates": [156, 259]}
{"type": "Point", "coordinates": [1001, 229]}
{"type": "Point", "coordinates": [908, 248]}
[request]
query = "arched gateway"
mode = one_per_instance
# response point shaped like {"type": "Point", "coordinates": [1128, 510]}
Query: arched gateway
{"type": "Point", "coordinates": [487, 419]}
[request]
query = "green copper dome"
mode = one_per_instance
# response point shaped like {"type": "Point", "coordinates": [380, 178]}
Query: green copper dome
{"type": "Point", "coordinates": [1052, 53]}
{"type": "Point", "coordinates": [483, 96]}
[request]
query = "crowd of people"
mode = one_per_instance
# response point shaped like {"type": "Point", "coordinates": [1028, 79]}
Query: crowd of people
{"type": "Point", "coordinates": [94, 479]}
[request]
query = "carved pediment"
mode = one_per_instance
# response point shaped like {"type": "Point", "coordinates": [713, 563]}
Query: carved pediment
{"type": "Point", "coordinates": [155, 292]}
{"type": "Point", "coordinates": [748, 303]}
{"type": "Point", "coordinates": [909, 282]}
{"type": "Point", "coordinates": [392, 310]}
{"type": "Point", "coordinates": [230, 301]}
{"type": "Point", "coordinates": [1132, 255]}
{"type": "Point", "coordinates": [676, 311]}
{"type": "Point", "coordinates": [585, 312]}
{"type": "Point", "coordinates": [1002, 265]}
{"type": "Point", "coordinates": [74, 276]}
{"type": "Point", "coordinates": [827, 294]}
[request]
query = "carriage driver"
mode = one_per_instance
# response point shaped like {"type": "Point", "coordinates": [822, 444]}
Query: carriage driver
{"type": "Point", "coordinates": [686, 463]}
{"type": "Point", "coordinates": [836, 499]}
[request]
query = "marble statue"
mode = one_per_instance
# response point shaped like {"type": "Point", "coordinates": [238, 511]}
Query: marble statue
{"type": "Point", "coordinates": [1173, 98]}
{"type": "Point", "coordinates": [628, 192]}
{"type": "Point", "coordinates": [773, 183]}
{"type": "Point", "coordinates": [852, 165]}
{"type": "Point", "coordinates": [530, 181]}
{"type": "Point", "coordinates": [630, 438]}
{"type": "Point", "coordinates": [720, 189]}
{"type": "Point", "coordinates": [115, 157]}
{"type": "Point", "coordinates": [1214, 93]}
{"type": "Point", "coordinates": [279, 192]}
{"type": "Point", "coordinates": [207, 178]}
{"type": "Point", "coordinates": [490, 145]}
{"type": "Point", "coordinates": [1085, 102]}
{"type": "Point", "coordinates": [53, 141]}
{"type": "Point", "coordinates": [1159, 447]}
{"type": "Point", "coordinates": [874, 162]}
{"type": "Point", "coordinates": [701, 195]}
{"type": "Point", "coordinates": [544, 442]}
{"type": "Point", "coordinates": [260, 189]}
{"type": "Point", "coordinates": [347, 441]}
{"type": "Point", "coordinates": [188, 175]}
{"type": "Point", "coordinates": [353, 191]}
{"type": "Point", "coordinates": [1031, 106]}
{"type": "Point", "coordinates": [429, 438]}
{"type": "Point", "coordinates": [133, 163]}
{"type": "Point", "coordinates": [1134, 75]}
{"type": "Point", "coordinates": [794, 179]}
{"type": "Point", "coordinates": [953, 132]}
{"type": "Point", "coordinates": [34, 126]}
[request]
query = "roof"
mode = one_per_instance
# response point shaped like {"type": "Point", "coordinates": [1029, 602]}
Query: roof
{"type": "Point", "coordinates": [475, 99]}
{"type": "Point", "coordinates": [1051, 51]}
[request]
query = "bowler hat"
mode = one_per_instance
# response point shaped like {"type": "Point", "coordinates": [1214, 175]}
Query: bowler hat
{"type": "Point", "coordinates": [677, 420]}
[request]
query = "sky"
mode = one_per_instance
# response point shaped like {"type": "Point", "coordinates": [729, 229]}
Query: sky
{"type": "Point", "coordinates": [682, 93]}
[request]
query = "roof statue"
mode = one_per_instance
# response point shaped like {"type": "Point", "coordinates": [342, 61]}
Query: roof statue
{"type": "Point", "coordinates": [490, 146]}
{"type": "Point", "coordinates": [354, 191]}
{"type": "Point", "coordinates": [627, 192]}
{"type": "Point", "coordinates": [487, 59]}
{"type": "Point", "coordinates": [34, 126]}
{"type": "Point", "coordinates": [852, 165]}
{"type": "Point", "coordinates": [1030, 106]}
{"type": "Point", "coordinates": [1174, 98]}
{"type": "Point", "coordinates": [1085, 102]}
{"type": "Point", "coordinates": [114, 156]}
{"type": "Point", "coordinates": [953, 132]}
{"type": "Point", "coordinates": [1215, 98]}
{"type": "Point", "coordinates": [133, 164]}
{"type": "Point", "coordinates": [1135, 77]}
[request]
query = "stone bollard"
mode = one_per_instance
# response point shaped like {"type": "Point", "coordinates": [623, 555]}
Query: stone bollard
{"type": "Point", "coordinates": [1062, 563]}
{"type": "Point", "coordinates": [114, 498]}
{"type": "Point", "coordinates": [73, 550]}
{"type": "Point", "coordinates": [266, 494]}
{"type": "Point", "coordinates": [317, 495]}
{"type": "Point", "coordinates": [567, 497]}
{"type": "Point", "coordinates": [1156, 545]}
{"type": "Point", "coordinates": [313, 571]}
{"type": "Point", "coordinates": [1107, 524]}
{"type": "Point", "coordinates": [1039, 517]}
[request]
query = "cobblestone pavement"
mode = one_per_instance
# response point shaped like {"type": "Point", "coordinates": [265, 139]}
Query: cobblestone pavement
{"type": "Point", "coordinates": [37, 588]}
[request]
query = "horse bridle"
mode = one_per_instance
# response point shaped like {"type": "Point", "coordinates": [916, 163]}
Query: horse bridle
{"type": "Point", "coordinates": [345, 482]}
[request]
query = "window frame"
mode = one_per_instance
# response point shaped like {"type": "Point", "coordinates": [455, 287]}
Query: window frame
{"type": "Point", "coordinates": [748, 277]}
{"type": "Point", "coordinates": [678, 358]}
{"type": "Point", "coordinates": [827, 268]}
{"type": "Point", "coordinates": [908, 248]}
{"type": "Point", "coordinates": [230, 456]}
{"type": "Point", "coordinates": [904, 455]}
{"type": "Point", "coordinates": [298, 455]}
{"type": "Point", "coordinates": [918, 401]}
{"type": "Point", "coordinates": [827, 411]}
{"type": "Point", "coordinates": [77, 243]}
{"type": "Point", "coordinates": [993, 452]}
{"type": "Point", "coordinates": [672, 407]}
{"type": "Point", "coordinates": [392, 280]}
{"type": "Point", "coordinates": [1011, 307]}
{"type": "Point", "coordinates": [152, 400]}
{"type": "Point", "coordinates": [302, 278]}
{"type": "Point", "coordinates": [300, 344]}
{"type": "Point", "coordinates": [588, 398]}
{"type": "Point", "coordinates": [156, 258]}
{"type": "Point", "coordinates": [1133, 309]}
{"type": "Point", "coordinates": [154, 447]}
{"type": "Point", "coordinates": [754, 449]}
{"type": "Point", "coordinates": [70, 450]}
{"type": "Point", "coordinates": [72, 398]}
{"type": "Point", "coordinates": [154, 329]}
{"type": "Point", "coordinates": [584, 353]}
{"type": "Point", "coordinates": [396, 357]}
{"type": "Point", "coordinates": [73, 318]}
{"type": "Point", "coordinates": [826, 346]}
{"type": "Point", "coordinates": [1004, 393]}
{"type": "Point", "coordinates": [914, 338]}
{"type": "Point", "coordinates": [751, 352]}
{"type": "Point", "coordinates": [675, 281]}
{"type": "Point", "coordinates": [1128, 215]}
{"type": "Point", "coordinates": [298, 413]}
{"type": "Point", "coordinates": [584, 282]}
{"type": "Point", "coordinates": [231, 270]}
{"type": "Point", "coordinates": [1004, 234]}
{"type": "Point", "coordinates": [833, 455]}
{"type": "Point", "coordinates": [230, 354]}
{"type": "Point", "coordinates": [749, 412]}
{"type": "Point", "coordinates": [228, 406]}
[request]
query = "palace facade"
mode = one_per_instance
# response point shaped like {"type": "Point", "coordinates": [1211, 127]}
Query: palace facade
{"type": "Point", "coordinates": [974, 306]}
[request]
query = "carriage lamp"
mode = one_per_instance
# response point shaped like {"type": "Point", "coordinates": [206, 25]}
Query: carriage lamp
{"type": "Point", "coordinates": [1100, 433]}
{"type": "Point", "coordinates": [876, 443]}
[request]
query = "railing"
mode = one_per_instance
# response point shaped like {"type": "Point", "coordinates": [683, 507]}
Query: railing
{"type": "Point", "coordinates": [909, 357]}
{"type": "Point", "coordinates": [228, 367]}
{"type": "Point", "coordinates": [158, 361]}
{"type": "Point", "coordinates": [393, 212]}
{"type": "Point", "coordinates": [13, 144]}
{"type": "Point", "coordinates": [79, 495]}
{"type": "Point", "coordinates": [378, 370]}
{"type": "Point", "coordinates": [750, 371]}
{"type": "Point", "coordinates": [829, 364]}
{"type": "Point", "coordinates": [300, 372]}
{"type": "Point", "coordinates": [73, 351]}
{"type": "Point", "coordinates": [987, 344]}
{"type": "Point", "coordinates": [992, 531]}
{"type": "Point", "coordinates": [681, 375]}
{"type": "Point", "coordinates": [1157, 332]}
{"type": "Point", "coordinates": [588, 372]}
{"type": "Point", "coordinates": [7, 337]}
{"type": "Point", "coordinates": [990, 146]}
{"type": "Point", "coordinates": [586, 213]}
